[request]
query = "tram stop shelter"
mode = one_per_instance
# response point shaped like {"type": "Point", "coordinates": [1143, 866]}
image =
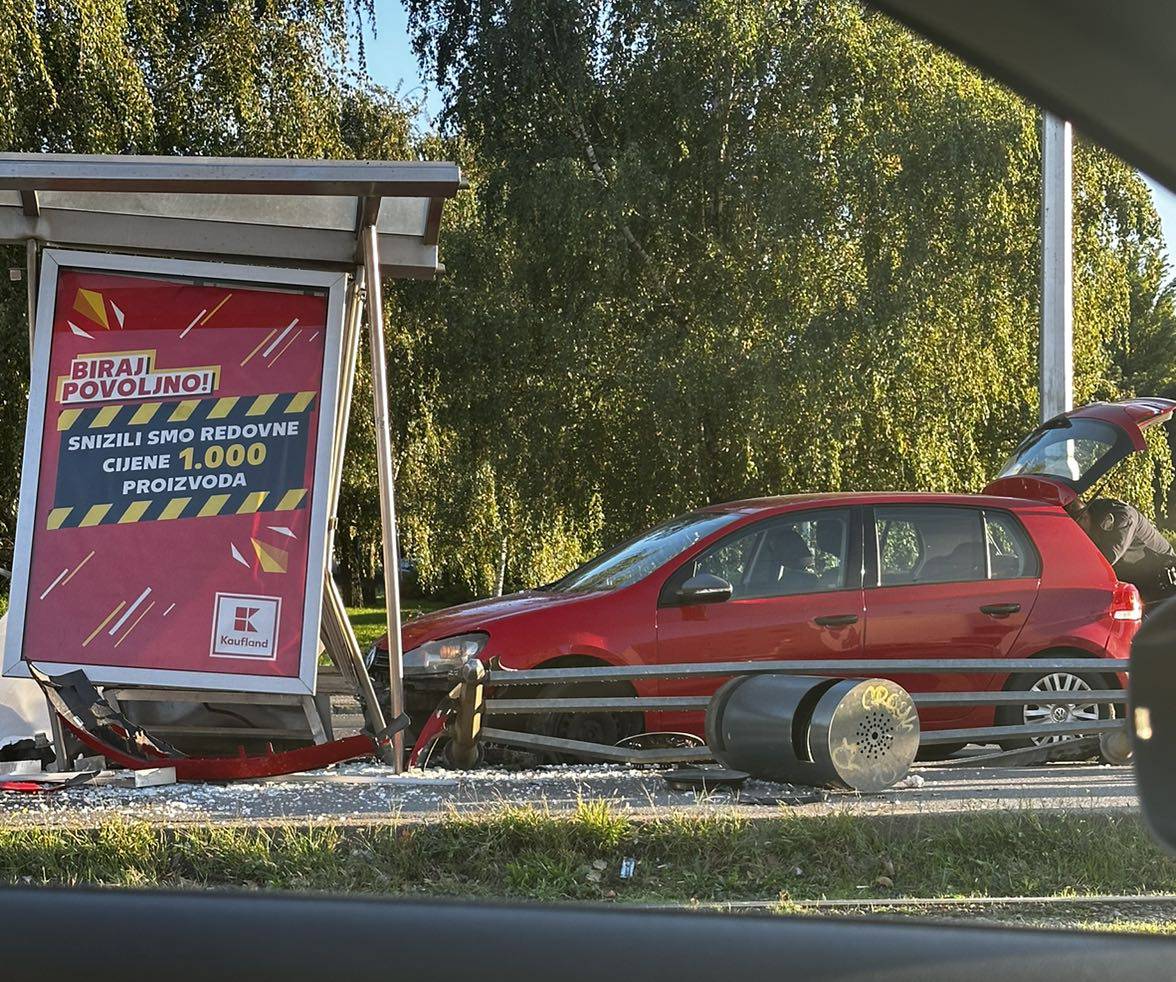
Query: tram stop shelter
{"type": "Point", "coordinates": [368, 219]}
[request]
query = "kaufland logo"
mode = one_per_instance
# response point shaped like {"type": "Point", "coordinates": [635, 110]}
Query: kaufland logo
{"type": "Point", "coordinates": [243, 619]}
{"type": "Point", "coordinates": [245, 627]}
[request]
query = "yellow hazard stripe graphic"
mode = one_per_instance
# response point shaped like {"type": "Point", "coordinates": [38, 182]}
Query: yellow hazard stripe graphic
{"type": "Point", "coordinates": [104, 417]}
{"type": "Point", "coordinates": [252, 502]}
{"type": "Point", "coordinates": [174, 508]}
{"type": "Point", "coordinates": [300, 401]}
{"type": "Point", "coordinates": [67, 419]}
{"type": "Point", "coordinates": [145, 412]}
{"type": "Point", "coordinates": [183, 410]}
{"type": "Point", "coordinates": [183, 506]}
{"type": "Point", "coordinates": [134, 512]}
{"type": "Point", "coordinates": [261, 405]}
{"type": "Point", "coordinates": [223, 407]}
{"type": "Point", "coordinates": [290, 499]}
{"type": "Point", "coordinates": [139, 414]}
{"type": "Point", "coordinates": [213, 505]}
{"type": "Point", "coordinates": [94, 516]}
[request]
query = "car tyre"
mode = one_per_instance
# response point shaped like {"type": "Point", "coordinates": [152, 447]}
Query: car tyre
{"type": "Point", "coordinates": [938, 751]}
{"type": "Point", "coordinates": [1050, 681]}
{"type": "Point", "coordinates": [606, 728]}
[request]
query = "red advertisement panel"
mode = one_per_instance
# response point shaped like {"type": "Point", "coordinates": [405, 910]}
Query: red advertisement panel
{"type": "Point", "coordinates": [173, 525]}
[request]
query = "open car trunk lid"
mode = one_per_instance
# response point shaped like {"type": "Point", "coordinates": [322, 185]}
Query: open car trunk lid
{"type": "Point", "coordinates": [1064, 457]}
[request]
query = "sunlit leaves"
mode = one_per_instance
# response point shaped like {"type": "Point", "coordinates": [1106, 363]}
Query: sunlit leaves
{"type": "Point", "coordinates": [730, 248]}
{"type": "Point", "coordinates": [230, 77]}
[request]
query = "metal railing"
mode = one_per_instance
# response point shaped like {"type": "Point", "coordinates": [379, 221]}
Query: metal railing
{"type": "Point", "coordinates": [472, 703]}
{"type": "Point", "coordinates": [838, 667]}
{"type": "Point", "coordinates": [625, 704]}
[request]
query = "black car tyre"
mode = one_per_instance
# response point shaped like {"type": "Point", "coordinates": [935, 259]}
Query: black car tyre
{"type": "Point", "coordinates": [1061, 703]}
{"type": "Point", "coordinates": [606, 728]}
{"type": "Point", "coordinates": [939, 751]}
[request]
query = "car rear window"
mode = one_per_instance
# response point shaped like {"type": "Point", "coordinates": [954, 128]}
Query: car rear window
{"type": "Point", "coordinates": [1070, 449]}
{"type": "Point", "coordinates": [939, 544]}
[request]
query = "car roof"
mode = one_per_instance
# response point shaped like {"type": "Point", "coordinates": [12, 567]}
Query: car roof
{"type": "Point", "coordinates": [790, 502]}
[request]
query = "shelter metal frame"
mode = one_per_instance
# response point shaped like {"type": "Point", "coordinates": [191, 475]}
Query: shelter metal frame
{"type": "Point", "coordinates": [370, 219]}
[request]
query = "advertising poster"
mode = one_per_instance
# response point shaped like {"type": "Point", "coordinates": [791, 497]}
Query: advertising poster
{"type": "Point", "coordinates": [172, 525]}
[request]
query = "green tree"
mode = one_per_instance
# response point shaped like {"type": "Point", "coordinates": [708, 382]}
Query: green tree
{"type": "Point", "coordinates": [211, 77]}
{"type": "Point", "coordinates": [711, 250]}
{"type": "Point", "coordinates": [727, 248]}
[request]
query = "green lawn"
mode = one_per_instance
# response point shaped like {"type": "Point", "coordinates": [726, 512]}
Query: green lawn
{"type": "Point", "coordinates": [532, 854]}
{"type": "Point", "coordinates": [369, 621]}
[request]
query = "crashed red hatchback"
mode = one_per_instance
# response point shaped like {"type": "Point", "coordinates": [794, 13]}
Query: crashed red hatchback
{"type": "Point", "coordinates": [1003, 574]}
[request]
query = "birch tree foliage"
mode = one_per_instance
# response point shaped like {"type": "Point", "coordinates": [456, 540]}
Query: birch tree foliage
{"type": "Point", "coordinates": [730, 248]}
{"type": "Point", "coordinates": [209, 77]}
{"type": "Point", "coordinates": [711, 250]}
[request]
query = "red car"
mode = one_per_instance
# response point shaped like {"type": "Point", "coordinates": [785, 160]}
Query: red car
{"type": "Point", "coordinates": [1004, 574]}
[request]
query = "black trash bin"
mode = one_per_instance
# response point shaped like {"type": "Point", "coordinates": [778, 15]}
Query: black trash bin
{"type": "Point", "coordinates": [860, 734]}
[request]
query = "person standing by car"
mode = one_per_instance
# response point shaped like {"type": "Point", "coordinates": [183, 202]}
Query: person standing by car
{"type": "Point", "coordinates": [1135, 548]}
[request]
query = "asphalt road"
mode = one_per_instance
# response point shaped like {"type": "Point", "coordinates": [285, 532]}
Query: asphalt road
{"type": "Point", "coordinates": [363, 793]}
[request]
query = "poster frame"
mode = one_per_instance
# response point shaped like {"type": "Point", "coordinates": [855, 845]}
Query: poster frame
{"type": "Point", "coordinates": [334, 284]}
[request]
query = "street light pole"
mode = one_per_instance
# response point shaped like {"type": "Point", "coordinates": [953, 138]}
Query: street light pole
{"type": "Point", "coordinates": [1056, 366]}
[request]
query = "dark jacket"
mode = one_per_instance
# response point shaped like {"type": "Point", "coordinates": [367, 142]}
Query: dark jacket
{"type": "Point", "coordinates": [1134, 547]}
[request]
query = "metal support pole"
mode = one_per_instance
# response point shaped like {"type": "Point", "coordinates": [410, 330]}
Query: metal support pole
{"type": "Point", "coordinates": [384, 473]}
{"type": "Point", "coordinates": [353, 319]}
{"type": "Point", "coordinates": [338, 635]}
{"type": "Point", "coordinates": [337, 629]}
{"type": "Point", "coordinates": [56, 730]}
{"type": "Point", "coordinates": [31, 288]}
{"type": "Point", "coordinates": [1056, 367]}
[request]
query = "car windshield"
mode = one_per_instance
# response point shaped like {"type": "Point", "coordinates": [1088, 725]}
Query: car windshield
{"type": "Point", "coordinates": [1072, 449]}
{"type": "Point", "coordinates": [637, 558]}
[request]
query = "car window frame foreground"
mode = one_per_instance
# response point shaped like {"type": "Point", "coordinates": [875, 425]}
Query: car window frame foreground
{"type": "Point", "coordinates": [215, 935]}
{"type": "Point", "coordinates": [206, 935]}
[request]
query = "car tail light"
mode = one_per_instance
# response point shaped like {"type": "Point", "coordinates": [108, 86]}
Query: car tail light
{"type": "Point", "coordinates": [1126, 604]}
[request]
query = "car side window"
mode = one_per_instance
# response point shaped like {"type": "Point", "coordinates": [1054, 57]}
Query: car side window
{"type": "Point", "coordinates": [929, 545]}
{"type": "Point", "coordinates": [807, 553]}
{"type": "Point", "coordinates": [1010, 553]}
{"type": "Point", "coordinates": [729, 560]}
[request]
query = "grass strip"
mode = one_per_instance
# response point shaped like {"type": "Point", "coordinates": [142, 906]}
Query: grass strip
{"type": "Point", "coordinates": [368, 622]}
{"type": "Point", "coordinates": [536, 855]}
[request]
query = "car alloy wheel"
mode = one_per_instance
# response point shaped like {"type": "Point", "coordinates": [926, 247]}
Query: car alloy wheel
{"type": "Point", "coordinates": [1056, 684]}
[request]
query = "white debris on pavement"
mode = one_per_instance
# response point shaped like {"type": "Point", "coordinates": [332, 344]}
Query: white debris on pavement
{"type": "Point", "coordinates": [367, 792]}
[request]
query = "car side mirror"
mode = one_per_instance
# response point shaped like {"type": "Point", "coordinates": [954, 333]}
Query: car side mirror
{"type": "Point", "coordinates": [705, 588]}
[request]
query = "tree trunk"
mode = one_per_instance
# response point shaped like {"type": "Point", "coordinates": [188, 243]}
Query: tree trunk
{"type": "Point", "coordinates": [345, 571]}
{"type": "Point", "coordinates": [598, 171]}
{"type": "Point", "coordinates": [367, 582]}
{"type": "Point", "coordinates": [501, 569]}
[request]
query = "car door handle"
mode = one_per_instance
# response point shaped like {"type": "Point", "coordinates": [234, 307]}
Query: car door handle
{"type": "Point", "coordinates": [1000, 610]}
{"type": "Point", "coordinates": [835, 620]}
